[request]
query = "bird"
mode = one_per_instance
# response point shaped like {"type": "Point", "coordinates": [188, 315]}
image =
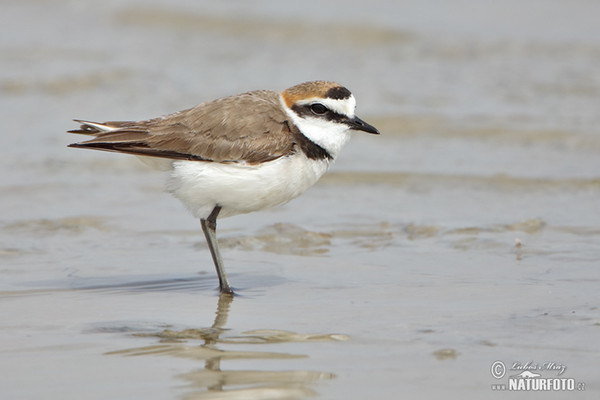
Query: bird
{"type": "Point", "coordinates": [241, 153]}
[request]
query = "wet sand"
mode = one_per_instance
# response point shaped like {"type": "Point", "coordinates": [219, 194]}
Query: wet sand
{"type": "Point", "coordinates": [467, 233]}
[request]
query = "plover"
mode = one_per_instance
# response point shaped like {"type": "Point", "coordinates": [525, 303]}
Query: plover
{"type": "Point", "coordinates": [241, 153]}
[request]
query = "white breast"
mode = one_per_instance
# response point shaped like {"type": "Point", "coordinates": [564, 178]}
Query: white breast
{"type": "Point", "coordinates": [242, 188]}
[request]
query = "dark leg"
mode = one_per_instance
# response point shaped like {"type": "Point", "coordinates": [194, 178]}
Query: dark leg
{"type": "Point", "coordinates": [209, 227]}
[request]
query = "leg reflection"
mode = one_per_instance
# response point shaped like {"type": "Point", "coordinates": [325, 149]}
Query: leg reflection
{"type": "Point", "coordinates": [216, 343]}
{"type": "Point", "coordinates": [218, 326]}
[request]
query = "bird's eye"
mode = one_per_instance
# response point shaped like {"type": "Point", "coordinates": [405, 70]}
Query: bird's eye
{"type": "Point", "coordinates": [318, 108]}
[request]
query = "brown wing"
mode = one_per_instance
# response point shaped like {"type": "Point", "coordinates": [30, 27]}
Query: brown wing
{"type": "Point", "coordinates": [250, 127]}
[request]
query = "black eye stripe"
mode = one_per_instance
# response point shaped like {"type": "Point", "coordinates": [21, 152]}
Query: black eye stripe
{"type": "Point", "coordinates": [305, 110]}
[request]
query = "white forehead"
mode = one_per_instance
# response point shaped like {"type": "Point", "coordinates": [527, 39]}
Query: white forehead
{"type": "Point", "coordinates": [340, 106]}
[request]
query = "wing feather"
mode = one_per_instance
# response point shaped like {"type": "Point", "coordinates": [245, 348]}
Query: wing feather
{"type": "Point", "coordinates": [251, 127]}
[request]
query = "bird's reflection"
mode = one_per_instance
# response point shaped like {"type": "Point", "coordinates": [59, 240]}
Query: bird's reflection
{"type": "Point", "coordinates": [213, 382]}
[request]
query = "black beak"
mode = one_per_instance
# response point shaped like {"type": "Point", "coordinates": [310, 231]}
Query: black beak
{"type": "Point", "coordinates": [358, 124]}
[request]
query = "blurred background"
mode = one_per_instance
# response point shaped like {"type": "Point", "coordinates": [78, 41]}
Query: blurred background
{"type": "Point", "coordinates": [466, 233]}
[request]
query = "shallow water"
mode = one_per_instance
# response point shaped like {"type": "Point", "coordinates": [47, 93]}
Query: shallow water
{"type": "Point", "coordinates": [467, 233]}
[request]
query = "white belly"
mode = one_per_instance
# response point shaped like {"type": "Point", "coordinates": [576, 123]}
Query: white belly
{"type": "Point", "coordinates": [242, 188]}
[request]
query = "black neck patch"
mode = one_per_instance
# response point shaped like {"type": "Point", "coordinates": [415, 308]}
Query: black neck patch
{"type": "Point", "coordinates": [338, 93]}
{"type": "Point", "coordinates": [307, 146]}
